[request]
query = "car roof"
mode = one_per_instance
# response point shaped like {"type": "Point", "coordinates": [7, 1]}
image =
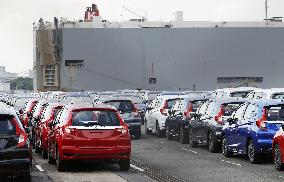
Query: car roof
{"type": "Point", "coordinates": [7, 110]}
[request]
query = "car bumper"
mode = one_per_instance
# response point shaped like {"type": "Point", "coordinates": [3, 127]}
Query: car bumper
{"type": "Point", "coordinates": [114, 153]}
{"type": "Point", "coordinates": [15, 167]}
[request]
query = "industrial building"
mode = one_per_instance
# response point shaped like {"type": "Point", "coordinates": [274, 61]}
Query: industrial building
{"type": "Point", "coordinates": [97, 54]}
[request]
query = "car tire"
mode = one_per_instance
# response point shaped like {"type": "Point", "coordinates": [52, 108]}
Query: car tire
{"type": "Point", "coordinates": [183, 135]}
{"type": "Point", "coordinates": [59, 163]}
{"type": "Point", "coordinates": [168, 133]}
{"type": "Point", "coordinates": [26, 178]}
{"type": "Point", "coordinates": [192, 142]}
{"type": "Point", "coordinates": [252, 155]}
{"type": "Point", "coordinates": [212, 145]}
{"type": "Point", "coordinates": [225, 150]}
{"type": "Point", "coordinates": [158, 130]}
{"type": "Point", "coordinates": [138, 135]}
{"type": "Point", "coordinates": [147, 131]}
{"type": "Point", "coordinates": [124, 164]}
{"type": "Point", "coordinates": [278, 158]}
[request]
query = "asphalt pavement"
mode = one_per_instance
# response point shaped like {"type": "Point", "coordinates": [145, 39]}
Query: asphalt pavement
{"type": "Point", "coordinates": [158, 159]}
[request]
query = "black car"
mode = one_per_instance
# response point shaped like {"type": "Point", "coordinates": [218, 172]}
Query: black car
{"type": "Point", "coordinates": [129, 113]}
{"type": "Point", "coordinates": [15, 148]}
{"type": "Point", "coordinates": [178, 121]}
{"type": "Point", "coordinates": [207, 123]}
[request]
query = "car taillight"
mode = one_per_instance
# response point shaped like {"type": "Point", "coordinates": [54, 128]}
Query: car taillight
{"type": "Point", "coordinates": [260, 122]}
{"type": "Point", "coordinates": [218, 117]}
{"type": "Point", "coordinates": [71, 130]}
{"type": "Point", "coordinates": [187, 112]}
{"type": "Point", "coordinates": [22, 140]}
{"type": "Point", "coordinates": [123, 131]}
{"type": "Point", "coordinates": [163, 109]}
{"type": "Point", "coordinates": [137, 114]}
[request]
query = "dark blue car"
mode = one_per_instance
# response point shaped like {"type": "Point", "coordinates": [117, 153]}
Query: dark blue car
{"type": "Point", "coordinates": [251, 129]}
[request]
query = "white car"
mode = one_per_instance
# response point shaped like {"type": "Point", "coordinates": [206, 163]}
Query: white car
{"type": "Point", "coordinates": [157, 113]}
{"type": "Point", "coordinates": [273, 93]}
{"type": "Point", "coordinates": [240, 92]}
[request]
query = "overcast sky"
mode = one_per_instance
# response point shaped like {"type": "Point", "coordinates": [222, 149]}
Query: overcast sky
{"type": "Point", "coordinates": [17, 16]}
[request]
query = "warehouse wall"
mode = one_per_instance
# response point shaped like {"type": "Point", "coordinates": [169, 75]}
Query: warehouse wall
{"type": "Point", "coordinates": [179, 58]}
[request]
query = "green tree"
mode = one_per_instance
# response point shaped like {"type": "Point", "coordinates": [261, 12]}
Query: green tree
{"type": "Point", "coordinates": [21, 83]}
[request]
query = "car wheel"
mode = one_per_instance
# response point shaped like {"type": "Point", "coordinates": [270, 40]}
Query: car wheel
{"type": "Point", "coordinates": [26, 178]}
{"type": "Point", "coordinates": [225, 150]}
{"type": "Point", "coordinates": [147, 131]}
{"type": "Point", "coordinates": [158, 130]}
{"type": "Point", "coordinates": [168, 133]}
{"type": "Point", "coordinates": [278, 158]}
{"type": "Point", "coordinates": [37, 148]}
{"type": "Point", "coordinates": [212, 145]}
{"type": "Point", "coordinates": [138, 135]}
{"type": "Point", "coordinates": [253, 156]}
{"type": "Point", "coordinates": [192, 142]}
{"type": "Point", "coordinates": [124, 165]}
{"type": "Point", "coordinates": [59, 163]}
{"type": "Point", "coordinates": [183, 136]}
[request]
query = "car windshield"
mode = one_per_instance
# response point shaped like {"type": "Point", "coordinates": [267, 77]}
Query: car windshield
{"type": "Point", "coordinates": [196, 105]}
{"type": "Point", "coordinates": [92, 118]}
{"type": "Point", "coordinates": [135, 99]}
{"type": "Point", "coordinates": [170, 103]}
{"type": "Point", "coordinates": [122, 106]}
{"type": "Point", "coordinates": [7, 125]}
{"type": "Point", "coordinates": [275, 113]}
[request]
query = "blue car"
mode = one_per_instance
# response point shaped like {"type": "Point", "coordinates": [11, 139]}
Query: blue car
{"type": "Point", "coordinates": [251, 129]}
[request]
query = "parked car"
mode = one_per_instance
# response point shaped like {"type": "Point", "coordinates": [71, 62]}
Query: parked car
{"type": "Point", "coordinates": [239, 92]}
{"type": "Point", "coordinates": [149, 96]}
{"type": "Point", "coordinates": [273, 93]}
{"type": "Point", "coordinates": [206, 128]}
{"type": "Point", "coordinates": [129, 113]}
{"type": "Point", "coordinates": [137, 101]}
{"type": "Point", "coordinates": [27, 113]}
{"type": "Point", "coordinates": [89, 133]}
{"type": "Point", "coordinates": [15, 148]}
{"type": "Point", "coordinates": [157, 113]}
{"type": "Point", "coordinates": [251, 129]}
{"type": "Point", "coordinates": [102, 96]}
{"type": "Point", "coordinates": [77, 98]}
{"type": "Point", "coordinates": [178, 121]}
{"type": "Point", "coordinates": [278, 148]}
{"type": "Point", "coordinates": [42, 130]}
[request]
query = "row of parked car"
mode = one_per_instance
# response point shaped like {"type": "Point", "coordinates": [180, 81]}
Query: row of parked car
{"type": "Point", "coordinates": [67, 126]}
{"type": "Point", "coordinates": [245, 121]}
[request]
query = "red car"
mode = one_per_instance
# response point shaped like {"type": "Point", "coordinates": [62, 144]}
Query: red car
{"type": "Point", "coordinates": [41, 130]}
{"type": "Point", "coordinates": [89, 133]}
{"type": "Point", "coordinates": [278, 149]}
{"type": "Point", "coordinates": [27, 113]}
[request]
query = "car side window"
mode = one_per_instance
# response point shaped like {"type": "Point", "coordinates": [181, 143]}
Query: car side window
{"type": "Point", "coordinates": [251, 111]}
{"type": "Point", "coordinates": [240, 112]}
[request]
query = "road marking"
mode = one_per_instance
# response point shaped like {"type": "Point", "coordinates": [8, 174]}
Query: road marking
{"type": "Point", "coordinates": [189, 150]}
{"type": "Point", "coordinates": [229, 162]}
{"type": "Point", "coordinates": [137, 168]}
{"type": "Point", "coordinates": [39, 168]}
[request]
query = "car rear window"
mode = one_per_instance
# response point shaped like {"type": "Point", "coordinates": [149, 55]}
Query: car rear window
{"type": "Point", "coordinates": [92, 118]}
{"type": "Point", "coordinates": [278, 96]}
{"type": "Point", "coordinates": [196, 105]}
{"type": "Point", "coordinates": [7, 125]}
{"type": "Point", "coordinates": [122, 106]}
{"type": "Point", "coordinates": [242, 94]}
{"type": "Point", "coordinates": [230, 108]}
{"type": "Point", "coordinates": [275, 113]}
{"type": "Point", "coordinates": [170, 103]}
